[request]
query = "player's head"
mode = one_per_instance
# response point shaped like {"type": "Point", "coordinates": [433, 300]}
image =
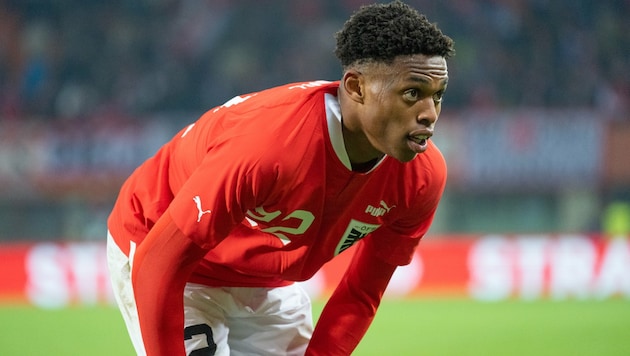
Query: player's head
{"type": "Point", "coordinates": [394, 76]}
{"type": "Point", "coordinates": [382, 32]}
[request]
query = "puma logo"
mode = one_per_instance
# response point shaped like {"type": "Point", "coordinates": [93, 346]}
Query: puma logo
{"type": "Point", "coordinates": [197, 200]}
{"type": "Point", "coordinates": [384, 205]}
{"type": "Point", "coordinates": [379, 211]}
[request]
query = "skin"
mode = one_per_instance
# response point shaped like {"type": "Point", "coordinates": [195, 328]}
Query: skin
{"type": "Point", "coordinates": [387, 108]}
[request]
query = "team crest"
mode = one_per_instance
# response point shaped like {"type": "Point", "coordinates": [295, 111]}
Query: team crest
{"type": "Point", "coordinates": [356, 231]}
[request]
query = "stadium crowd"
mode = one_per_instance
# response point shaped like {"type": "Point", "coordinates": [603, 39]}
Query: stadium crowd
{"type": "Point", "coordinates": [71, 58]}
{"type": "Point", "coordinates": [88, 88]}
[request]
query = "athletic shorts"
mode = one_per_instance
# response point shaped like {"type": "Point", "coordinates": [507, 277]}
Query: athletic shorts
{"type": "Point", "coordinates": [224, 320]}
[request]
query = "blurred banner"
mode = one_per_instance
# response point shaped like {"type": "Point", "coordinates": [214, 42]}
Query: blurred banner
{"type": "Point", "coordinates": [88, 159]}
{"type": "Point", "coordinates": [488, 268]}
{"type": "Point", "coordinates": [521, 149]}
{"type": "Point", "coordinates": [504, 150]}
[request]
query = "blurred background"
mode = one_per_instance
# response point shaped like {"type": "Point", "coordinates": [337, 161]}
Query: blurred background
{"type": "Point", "coordinates": [535, 128]}
{"type": "Point", "coordinates": [535, 125]}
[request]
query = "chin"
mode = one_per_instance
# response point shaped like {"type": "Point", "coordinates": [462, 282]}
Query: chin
{"type": "Point", "coordinates": [406, 157]}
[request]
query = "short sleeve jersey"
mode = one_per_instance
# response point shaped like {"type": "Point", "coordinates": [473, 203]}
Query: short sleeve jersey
{"type": "Point", "coordinates": [264, 182]}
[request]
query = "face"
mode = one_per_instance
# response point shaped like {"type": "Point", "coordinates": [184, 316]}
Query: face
{"type": "Point", "coordinates": [400, 104]}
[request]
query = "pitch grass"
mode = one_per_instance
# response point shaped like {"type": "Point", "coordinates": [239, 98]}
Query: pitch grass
{"type": "Point", "coordinates": [402, 327]}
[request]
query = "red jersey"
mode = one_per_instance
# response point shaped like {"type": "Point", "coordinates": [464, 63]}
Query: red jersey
{"type": "Point", "coordinates": [264, 182]}
{"type": "Point", "coordinates": [266, 174]}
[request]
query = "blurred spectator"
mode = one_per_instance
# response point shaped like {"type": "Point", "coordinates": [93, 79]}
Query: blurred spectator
{"type": "Point", "coordinates": [68, 58]}
{"type": "Point", "coordinates": [84, 83]}
{"type": "Point", "coordinates": [616, 219]}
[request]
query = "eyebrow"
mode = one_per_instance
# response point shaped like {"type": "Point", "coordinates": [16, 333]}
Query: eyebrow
{"type": "Point", "coordinates": [419, 79]}
{"type": "Point", "coordinates": [426, 81]}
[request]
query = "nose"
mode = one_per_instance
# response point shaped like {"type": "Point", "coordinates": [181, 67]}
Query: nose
{"type": "Point", "coordinates": [429, 112]}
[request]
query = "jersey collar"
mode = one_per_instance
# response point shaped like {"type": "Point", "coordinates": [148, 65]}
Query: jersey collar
{"type": "Point", "coordinates": [333, 119]}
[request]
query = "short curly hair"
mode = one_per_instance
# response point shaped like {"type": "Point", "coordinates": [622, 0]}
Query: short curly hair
{"type": "Point", "coordinates": [382, 32]}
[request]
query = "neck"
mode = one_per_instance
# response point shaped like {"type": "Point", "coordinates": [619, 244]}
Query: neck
{"type": "Point", "coordinates": [360, 151]}
{"type": "Point", "coordinates": [362, 155]}
{"type": "Point", "coordinates": [364, 166]}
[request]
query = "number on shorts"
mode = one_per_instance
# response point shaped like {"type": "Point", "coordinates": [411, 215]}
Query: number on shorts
{"type": "Point", "coordinates": [201, 329]}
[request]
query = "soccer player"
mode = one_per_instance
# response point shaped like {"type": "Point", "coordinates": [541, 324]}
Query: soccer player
{"type": "Point", "coordinates": [208, 236]}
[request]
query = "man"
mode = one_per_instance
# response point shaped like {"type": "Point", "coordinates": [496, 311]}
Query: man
{"type": "Point", "coordinates": [208, 236]}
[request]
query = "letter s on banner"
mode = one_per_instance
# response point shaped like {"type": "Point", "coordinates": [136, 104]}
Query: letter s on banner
{"type": "Point", "coordinates": [491, 269]}
{"type": "Point", "coordinates": [47, 285]}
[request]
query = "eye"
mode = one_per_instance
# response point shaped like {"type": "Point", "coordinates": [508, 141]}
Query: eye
{"type": "Point", "coordinates": [437, 97]}
{"type": "Point", "coordinates": [411, 95]}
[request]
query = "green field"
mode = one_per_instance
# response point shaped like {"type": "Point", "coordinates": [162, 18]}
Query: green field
{"type": "Point", "coordinates": [405, 327]}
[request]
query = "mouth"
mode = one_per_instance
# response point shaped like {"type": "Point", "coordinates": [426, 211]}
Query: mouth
{"type": "Point", "coordinates": [419, 142]}
{"type": "Point", "coordinates": [420, 139]}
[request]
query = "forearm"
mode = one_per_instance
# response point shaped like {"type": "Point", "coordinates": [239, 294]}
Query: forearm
{"type": "Point", "coordinates": [161, 267]}
{"type": "Point", "coordinates": [352, 307]}
{"type": "Point", "coordinates": [341, 327]}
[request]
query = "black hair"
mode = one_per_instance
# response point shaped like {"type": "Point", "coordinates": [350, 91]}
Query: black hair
{"type": "Point", "coordinates": [382, 32]}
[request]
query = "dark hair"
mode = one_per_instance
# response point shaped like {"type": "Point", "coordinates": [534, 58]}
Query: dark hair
{"type": "Point", "coordinates": [382, 32]}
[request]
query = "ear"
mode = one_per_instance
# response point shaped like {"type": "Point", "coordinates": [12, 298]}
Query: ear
{"type": "Point", "coordinates": [353, 85]}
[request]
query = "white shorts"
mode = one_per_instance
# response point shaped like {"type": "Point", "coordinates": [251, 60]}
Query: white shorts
{"type": "Point", "coordinates": [225, 320]}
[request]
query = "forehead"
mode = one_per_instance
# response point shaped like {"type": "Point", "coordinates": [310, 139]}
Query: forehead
{"type": "Point", "coordinates": [430, 65]}
{"type": "Point", "coordinates": [418, 67]}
